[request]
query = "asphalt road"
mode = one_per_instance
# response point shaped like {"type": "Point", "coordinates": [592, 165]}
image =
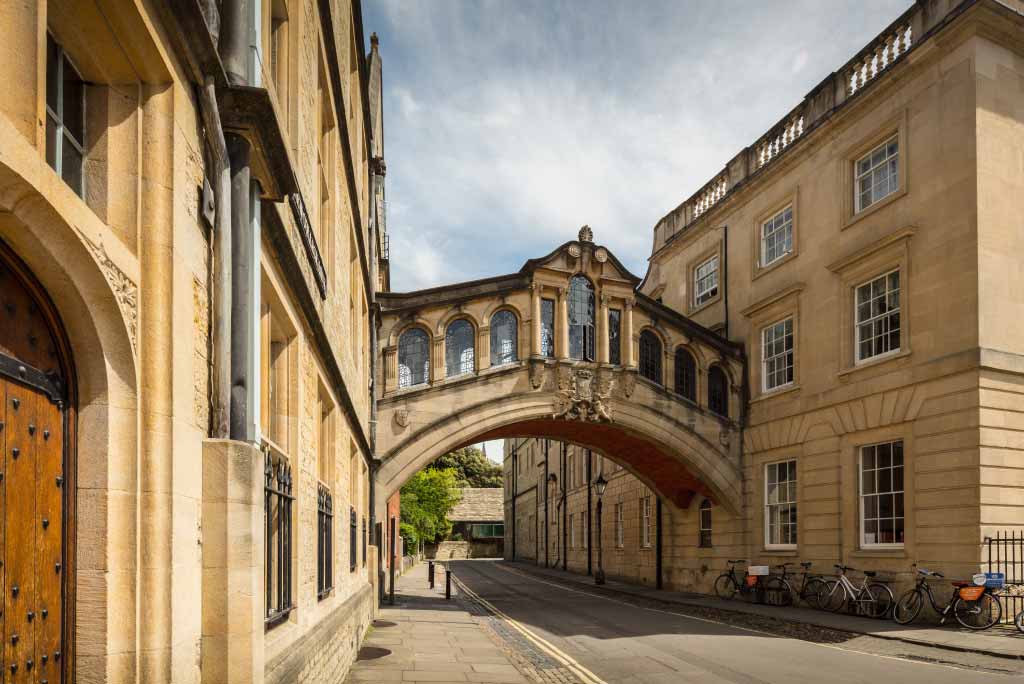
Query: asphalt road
{"type": "Point", "coordinates": [621, 643]}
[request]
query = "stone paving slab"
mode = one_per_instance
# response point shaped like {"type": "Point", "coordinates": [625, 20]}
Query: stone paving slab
{"type": "Point", "coordinates": [424, 638]}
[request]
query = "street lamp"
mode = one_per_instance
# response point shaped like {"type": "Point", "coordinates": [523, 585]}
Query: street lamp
{"type": "Point", "coordinates": [599, 484]}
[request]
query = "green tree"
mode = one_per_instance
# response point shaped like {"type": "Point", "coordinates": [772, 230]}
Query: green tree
{"type": "Point", "coordinates": [472, 468]}
{"type": "Point", "coordinates": [427, 499]}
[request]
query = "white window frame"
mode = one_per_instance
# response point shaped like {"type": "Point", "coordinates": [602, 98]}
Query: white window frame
{"type": "Point", "coordinates": [859, 175]}
{"type": "Point", "coordinates": [897, 310]}
{"type": "Point", "coordinates": [862, 496]}
{"type": "Point", "coordinates": [705, 282]}
{"type": "Point", "coordinates": [781, 225]}
{"type": "Point", "coordinates": [766, 359]}
{"type": "Point", "coordinates": [620, 526]}
{"type": "Point", "coordinates": [645, 521]}
{"type": "Point", "coordinates": [768, 506]}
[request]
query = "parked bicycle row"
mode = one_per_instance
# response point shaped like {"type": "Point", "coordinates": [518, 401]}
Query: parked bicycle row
{"type": "Point", "coordinates": [974, 604]}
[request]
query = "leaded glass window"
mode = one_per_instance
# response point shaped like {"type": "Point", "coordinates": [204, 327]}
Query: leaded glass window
{"type": "Point", "coordinates": [504, 342]}
{"type": "Point", "coordinates": [718, 391]}
{"type": "Point", "coordinates": [65, 116]}
{"type": "Point", "coordinates": [581, 319]}
{"type": "Point", "coordinates": [413, 358]}
{"type": "Point", "coordinates": [615, 337]}
{"type": "Point", "coordinates": [686, 374]}
{"type": "Point", "coordinates": [458, 348]}
{"type": "Point", "coordinates": [650, 356]}
{"type": "Point", "coordinates": [547, 327]}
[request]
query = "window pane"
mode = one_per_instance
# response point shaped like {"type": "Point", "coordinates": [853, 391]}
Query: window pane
{"type": "Point", "coordinates": [52, 75]}
{"type": "Point", "coordinates": [71, 166]}
{"type": "Point", "coordinates": [547, 330]}
{"type": "Point", "coordinates": [458, 343]}
{"type": "Point", "coordinates": [650, 356]}
{"type": "Point", "coordinates": [614, 341]}
{"type": "Point", "coordinates": [504, 338]}
{"type": "Point", "coordinates": [73, 101]}
{"type": "Point", "coordinates": [413, 358]}
{"type": "Point", "coordinates": [581, 319]}
{"type": "Point", "coordinates": [51, 142]}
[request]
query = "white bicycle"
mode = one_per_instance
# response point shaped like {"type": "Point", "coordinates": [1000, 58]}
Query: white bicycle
{"type": "Point", "coordinates": [872, 599]}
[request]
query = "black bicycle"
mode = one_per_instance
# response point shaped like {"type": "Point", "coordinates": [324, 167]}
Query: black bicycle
{"type": "Point", "coordinates": [972, 606]}
{"type": "Point", "coordinates": [783, 593]}
{"type": "Point", "coordinates": [729, 584]}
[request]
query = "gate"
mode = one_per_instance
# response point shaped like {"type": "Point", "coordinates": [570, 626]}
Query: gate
{"type": "Point", "coordinates": [1006, 556]}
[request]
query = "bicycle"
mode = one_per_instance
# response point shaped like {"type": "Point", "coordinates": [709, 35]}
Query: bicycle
{"type": "Point", "coordinates": [728, 584]}
{"type": "Point", "coordinates": [873, 599]}
{"type": "Point", "coordinates": [973, 606]}
{"type": "Point", "coordinates": [810, 586]}
{"type": "Point", "coordinates": [1019, 621]}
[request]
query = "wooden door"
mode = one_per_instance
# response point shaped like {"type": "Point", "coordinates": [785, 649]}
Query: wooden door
{"type": "Point", "coordinates": [35, 482]}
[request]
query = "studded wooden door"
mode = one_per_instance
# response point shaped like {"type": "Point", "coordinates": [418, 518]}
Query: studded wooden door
{"type": "Point", "coordinates": [34, 441]}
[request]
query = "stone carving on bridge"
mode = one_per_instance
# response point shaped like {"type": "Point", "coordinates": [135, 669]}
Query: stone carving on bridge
{"type": "Point", "coordinates": [582, 396]}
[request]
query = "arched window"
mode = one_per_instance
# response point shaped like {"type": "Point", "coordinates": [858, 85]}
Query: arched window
{"type": "Point", "coordinates": [504, 338]}
{"type": "Point", "coordinates": [686, 374]}
{"type": "Point", "coordinates": [705, 524]}
{"type": "Point", "coordinates": [718, 391]}
{"type": "Point", "coordinates": [458, 348]}
{"type": "Point", "coordinates": [650, 356]}
{"type": "Point", "coordinates": [581, 319]}
{"type": "Point", "coordinates": [413, 358]}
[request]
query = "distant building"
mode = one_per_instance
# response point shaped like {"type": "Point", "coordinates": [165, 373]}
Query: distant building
{"type": "Point", "coordinates": [479, 520]}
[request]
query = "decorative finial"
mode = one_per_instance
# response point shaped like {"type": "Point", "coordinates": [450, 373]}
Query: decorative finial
{"type": "Point", "coordinates": [373, 39]}
{"type": "Point", "coordinates": [586, 234]}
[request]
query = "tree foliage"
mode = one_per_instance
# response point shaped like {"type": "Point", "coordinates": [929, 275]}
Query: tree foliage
{"type": "Point", "coordinates": [472, 468]}
{"type": "Point", "coordinates": [427, 499]}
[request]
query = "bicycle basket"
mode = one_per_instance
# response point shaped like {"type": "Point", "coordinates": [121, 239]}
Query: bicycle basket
{"type": "Point", "coordinates": [751, 580]}
{"type": "Point", "coordinates": [971, 593]}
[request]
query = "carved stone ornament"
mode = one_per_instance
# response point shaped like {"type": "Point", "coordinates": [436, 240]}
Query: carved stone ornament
{"type": "Point", "coordinates": [537, 374]}
{"type": "Point", "coordinates": [628, 383]}
{"type": "Point", "coordinates": [402, 417]}
{"type": "Point", "coordinates": [125, 291]}
{"type": "Point", "coordinates": [574, 251]}
{"type": "Point", "coordinates": [601, 254]}
{"type": "Point", "coordinates": [583, 400]}
{"type": "Point", "coordinates": [586, 234]}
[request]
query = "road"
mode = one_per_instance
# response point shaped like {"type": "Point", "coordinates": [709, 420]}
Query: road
{"type": "Point", "coordinates": [608, 640]}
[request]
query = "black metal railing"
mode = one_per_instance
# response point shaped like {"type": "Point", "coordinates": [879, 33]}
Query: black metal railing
{"type": "Point", "coordinates": [353, 540]}
{"type": "Point", "coordinates": [324, 540]}
{"type": "Point", "coordinates": [277, 502]}
{"type": "Point", "coordinates": [1006, 556]}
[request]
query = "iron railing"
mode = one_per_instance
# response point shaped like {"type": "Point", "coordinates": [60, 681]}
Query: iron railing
{"type": "Point", "coordinates": [277, 502]}
{"type": "Point", "coordinates": [1006, 556]}
{"type": "Point", "coordinates": [324, 540]}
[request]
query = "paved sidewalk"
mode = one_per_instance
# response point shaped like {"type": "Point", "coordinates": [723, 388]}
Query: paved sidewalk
{"type": "Point", "coordinates": [424, 638]}
{"type": "Point", "coordinates": [1002, 641]}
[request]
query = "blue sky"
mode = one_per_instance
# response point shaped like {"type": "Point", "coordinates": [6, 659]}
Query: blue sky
{"type": "Point", "coordinates": [508, 125]}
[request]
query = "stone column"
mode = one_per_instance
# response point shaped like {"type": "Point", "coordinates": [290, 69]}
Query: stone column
{"type": "Point", "coordinates": [602, 330]}
{"type": "Point", "coordinates": [483, 347]}
{"type": "Point", "coordinates": [437, 362]}
{"type": "Point", "coordinates": [562, 325]}
{"type": "Point", "coordinates": [390, 369]}
{"type": "Point", "coordinates": [627, 335]}
{"type": "Point", "coordinates": [536, 323]}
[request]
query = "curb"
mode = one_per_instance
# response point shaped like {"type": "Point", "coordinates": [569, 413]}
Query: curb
{"type": "Point", "coordinates": [846, 630]}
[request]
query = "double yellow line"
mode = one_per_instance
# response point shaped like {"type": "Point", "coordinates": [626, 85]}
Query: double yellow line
{"type": "Point", "coordinates": [584, 675]}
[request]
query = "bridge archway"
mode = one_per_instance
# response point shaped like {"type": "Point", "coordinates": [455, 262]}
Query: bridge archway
{"type": "Point", "coordinates": [678, 447]}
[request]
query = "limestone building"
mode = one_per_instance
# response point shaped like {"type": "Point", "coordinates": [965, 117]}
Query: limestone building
{"type": "Point", "coordinates": [865, 252]}
{"type": "Point", "coordinates": [190, 246]}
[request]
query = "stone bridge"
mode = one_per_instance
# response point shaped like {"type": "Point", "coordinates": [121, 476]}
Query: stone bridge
{"type": "Point", "coordinates": [567, 349]}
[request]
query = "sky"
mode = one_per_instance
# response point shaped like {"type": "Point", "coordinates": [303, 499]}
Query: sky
{"type": "Point", "coordinates": [509, 124]}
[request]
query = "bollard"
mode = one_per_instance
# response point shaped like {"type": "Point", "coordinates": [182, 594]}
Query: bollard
{"type": "Point", "coordinates": [430, 573]}
{"type": "Point", "coordinates": [447, 583]}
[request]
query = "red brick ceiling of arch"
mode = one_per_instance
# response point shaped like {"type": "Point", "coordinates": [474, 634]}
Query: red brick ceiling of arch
{"type": "Point", "coordinates": [674, 481]}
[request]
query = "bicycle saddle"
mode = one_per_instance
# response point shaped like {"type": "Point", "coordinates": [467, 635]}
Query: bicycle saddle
{"type": "Point", "coordinates": [736, 561]}
{"type": "Point", "coordinates": [929, 573]}
{"type": "Point", "coordinates": [961, 583]}
{"type": "Point", "coordinates": [870, 573]}
{"type": "Point", "coordinates": [844, 568]}
{"type": "Point", "coordinates": [806, 564]}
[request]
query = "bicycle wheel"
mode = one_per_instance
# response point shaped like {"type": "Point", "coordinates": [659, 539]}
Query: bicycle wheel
{"type": "Point", "coordinates": [725, 586]}
{"type": "Point", "coordinates": [908, 607]}
{"type": "Point", "coordinates": [1020, 621]}
{"type": "Point", "coordinates": [778, 592]}
{"type": "Point", "coordinates": [882, 601]}
{"type": "Point", "coordinates": [811, 591]}
{"type": "Point", "coordinates": [980, 614]}
{"type": "Point", "coordinates": [832, 597]}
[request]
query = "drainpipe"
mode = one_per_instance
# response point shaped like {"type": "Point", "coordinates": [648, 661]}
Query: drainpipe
{"type": "Point", "coordinates": [547, 522]}
{"type": "Point", "coordinates": [590, 491]}
{"type": "Point", "coordinates": [657, 544]}
{"type": "Point", "coordinates": [565, 535]}
{"type": "Point", "coordinates": [515, 495]}
{"type": "Point", "coordinates": [221, 258]}
{"type": "Point", "coordinates": [725, 276]}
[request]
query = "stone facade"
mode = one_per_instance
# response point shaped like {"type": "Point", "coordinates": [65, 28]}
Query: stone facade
{"type": "Point", "coordinates": [166, 527]}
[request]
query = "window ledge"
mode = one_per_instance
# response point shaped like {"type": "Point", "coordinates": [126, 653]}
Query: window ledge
{"type": "Point", "coordinates": [880, 204]}
{"type": "Point", "coordinates": [873, 363]}
{"type": "Point", "coordinates": [771, 394]}
{"type": "Point", "coordinates": [880, 552]}
{"type": "Point", "coordinates": [762, 270]}
{"type": "Point", "coordinates": [780, 550]}
{"type": "Point", "coordinates": [697, 308]}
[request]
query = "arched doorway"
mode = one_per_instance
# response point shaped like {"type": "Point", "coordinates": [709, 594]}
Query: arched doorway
{"type": "Point", "coordinates": [36, 479]}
